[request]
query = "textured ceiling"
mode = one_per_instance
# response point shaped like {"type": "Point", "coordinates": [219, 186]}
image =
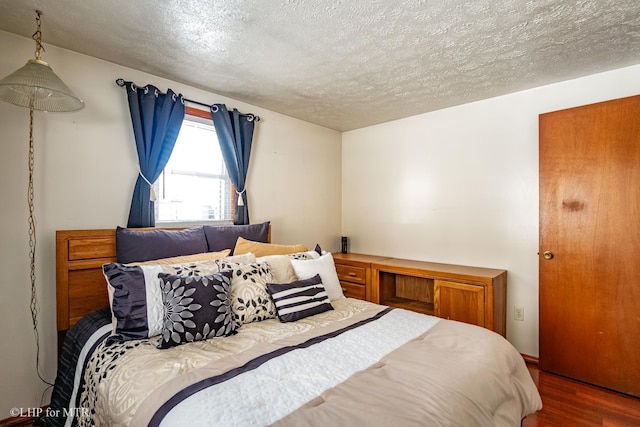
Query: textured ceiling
{"type": "Point", "coordinates": [345, 64]}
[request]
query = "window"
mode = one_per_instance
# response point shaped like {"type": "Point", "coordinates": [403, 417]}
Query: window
{"type": "Point", "coordinates": [194, 186]}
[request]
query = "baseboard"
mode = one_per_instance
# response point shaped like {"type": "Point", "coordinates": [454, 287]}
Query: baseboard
{"type": "Point", "coordinates": [531, 360]}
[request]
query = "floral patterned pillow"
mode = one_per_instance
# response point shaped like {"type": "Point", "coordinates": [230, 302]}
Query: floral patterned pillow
{"type": "Point", "coordinates": [250, 300]}
{"type": "Point", "coordinates": [195, 308]}
{"type": "Point", "coordinates": [135, 297]}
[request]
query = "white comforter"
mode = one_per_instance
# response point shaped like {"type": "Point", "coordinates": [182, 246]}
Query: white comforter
{"type": "Point", "coordinates": [496, 386]}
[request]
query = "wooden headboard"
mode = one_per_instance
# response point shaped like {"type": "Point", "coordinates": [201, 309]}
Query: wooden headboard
{"type": "Point", "coordinates": [80, 285]}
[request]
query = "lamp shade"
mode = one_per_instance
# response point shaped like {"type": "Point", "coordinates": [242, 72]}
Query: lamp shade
{"type": "Point", "coordinates": [37, 85]}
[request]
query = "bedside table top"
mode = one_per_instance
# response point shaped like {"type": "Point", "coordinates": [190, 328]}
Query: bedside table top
{"type": "Point", "coordinates": [353, 257]}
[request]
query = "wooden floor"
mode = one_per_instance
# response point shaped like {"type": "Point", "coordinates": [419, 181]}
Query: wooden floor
{"type": "Point", "coordinates": [572, 403]}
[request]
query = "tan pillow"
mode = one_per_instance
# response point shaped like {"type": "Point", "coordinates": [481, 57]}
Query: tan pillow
{"type": "Point", "coordinates": [281, 267]}
{"type": "Point", "coordinates": [263, 249]}
{"type": "Point", "coordinates": [206, 256]}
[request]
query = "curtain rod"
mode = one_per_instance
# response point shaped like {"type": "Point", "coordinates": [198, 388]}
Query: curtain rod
{"type": "Point", "coordinates": [120, 82]}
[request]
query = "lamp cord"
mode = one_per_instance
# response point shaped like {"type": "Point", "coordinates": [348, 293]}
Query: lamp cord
{"type": "Point", "coordinates": [32, 249]}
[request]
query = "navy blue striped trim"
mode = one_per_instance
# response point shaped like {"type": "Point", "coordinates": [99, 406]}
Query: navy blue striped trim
{"type": "Point", "coordinates": [74, 342]}
{"type": "Point", "coordinates": [249, 366]}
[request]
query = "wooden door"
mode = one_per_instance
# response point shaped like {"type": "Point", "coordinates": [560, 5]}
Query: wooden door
{"type": "Point", "coordinates": [459, 301]}
{"type": "Point", "coordinates": [590, 229]}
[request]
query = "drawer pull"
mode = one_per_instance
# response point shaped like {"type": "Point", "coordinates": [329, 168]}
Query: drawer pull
{"type": "Point", "coordinates": [352, 274]}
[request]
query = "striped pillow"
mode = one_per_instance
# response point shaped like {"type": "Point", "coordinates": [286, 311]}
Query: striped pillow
{"type": "Point", "coordinates": [300, 299]}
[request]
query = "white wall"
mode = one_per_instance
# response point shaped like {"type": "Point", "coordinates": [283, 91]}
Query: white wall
{"type": "Point", "coordinates": [457, 185]}
{"type": "Point", "coordinates": [460, 186]}
{"type": "Point", "coordinates": [85, 170]}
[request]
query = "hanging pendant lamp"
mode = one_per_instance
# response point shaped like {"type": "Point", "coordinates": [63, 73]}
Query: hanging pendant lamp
{"type": "Point", "coordinates": [36, 87]}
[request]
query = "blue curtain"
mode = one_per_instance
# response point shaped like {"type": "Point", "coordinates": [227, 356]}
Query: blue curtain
{"type": "Point", "coordinates": [156, 118]}
{"type": "Point", "coordinates": [235, 133]}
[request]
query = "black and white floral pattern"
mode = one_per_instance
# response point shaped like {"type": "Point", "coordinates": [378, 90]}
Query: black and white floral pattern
{"type": "Point", "coordinates": [104, 360]}
{"type": "Point", "coordinates": [136, 297]}
{"type": "Point", "coordinates": [250, 300]}
{"type": "Point", "coordinates": [197, 268]}
{"type": "Point", "coordinates": [195, 308]}
{"type": "Point", "coordinates": [300, 255]}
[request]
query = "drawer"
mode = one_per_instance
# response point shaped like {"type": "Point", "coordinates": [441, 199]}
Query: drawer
{"type": "Point", "coordinates": [351, 290]}
{"type": "Point", "coordinates": [351, 273]}
{"type": "Point", "coordinates": [91, 248]}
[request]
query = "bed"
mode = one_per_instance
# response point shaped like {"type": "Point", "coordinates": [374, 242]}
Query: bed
{"type": "Point", "coordinates": [338, 361]}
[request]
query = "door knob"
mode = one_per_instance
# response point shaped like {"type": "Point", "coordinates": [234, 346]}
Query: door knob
{"type": "Point", "coordinates": [547, 254]}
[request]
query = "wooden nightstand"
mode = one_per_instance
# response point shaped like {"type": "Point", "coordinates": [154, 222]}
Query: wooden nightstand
{"type": "Point", "coordinates": [354, 272]}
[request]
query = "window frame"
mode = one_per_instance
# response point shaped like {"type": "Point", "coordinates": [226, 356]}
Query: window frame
{"type": "Point", "coordinates": [203, 114]}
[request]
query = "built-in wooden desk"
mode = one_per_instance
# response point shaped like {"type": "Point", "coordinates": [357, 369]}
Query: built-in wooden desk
{"type": "Point", "coordinates": [469, 294]}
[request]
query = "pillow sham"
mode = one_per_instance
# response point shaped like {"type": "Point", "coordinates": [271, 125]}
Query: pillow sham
{"type": "Point", "coordinates": [225, 237]}
{"type": "Point", "coordinates": [138, 246]}
{"type": "Point", "coordinates": [247, 258]}
{"type": "Point", "coordinates": [135, 296]}
{"type": "Point", "coordinates": [263, 249]}
{"type": "Point", "coordinates": [250, 300]}
{"type": "Point", "coordinates": [195, 308]}
{"type": "Point", "coordinates": [186, 258]}
{"type": "Point", "coordinates": [325, 267]}
{"type": "Point", "coordinates": [281, 267]}
{"type": "Point", "coordinates": [299, 299]}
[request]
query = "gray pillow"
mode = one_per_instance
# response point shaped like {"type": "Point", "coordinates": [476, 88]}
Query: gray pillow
{"type": "Point", "coordinates": [137, 246]}
{"type": "Point", "coordinates": [225, 236]}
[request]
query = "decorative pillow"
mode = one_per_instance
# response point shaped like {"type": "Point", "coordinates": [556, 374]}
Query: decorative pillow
{"type": "Point", "coordinates": [250, 300]}
{"type": "Point", "coordinates": [281, 267]}
{"type": "Point", "coordinates": [136, 299]}
{"type": "Point", "coordinates": [300, 299]}
{"type": "Point", "coordinates": [195, 308]}
{"type": "Point", "coordinates": [138, 246]}
{"type": "Point", "coordinates": [225, 237]}
{"type": "Point", "coordinates": [247, 258]}
{"type": "Point", "coordinates": [323, 266]}
{"type": "Point", "coordinates": [186, 258]}
{"type": "Point", "coordinates": [263, 249]}
{"type": "Point", "coordinates": [302, 255]}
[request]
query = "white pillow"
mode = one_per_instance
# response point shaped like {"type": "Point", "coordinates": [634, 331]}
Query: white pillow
{"type": "Point", "coordinates": [323, 266]}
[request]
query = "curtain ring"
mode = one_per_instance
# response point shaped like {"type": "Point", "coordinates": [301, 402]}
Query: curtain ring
{"type": "Point", "coordinates": [134, 88]}
{"type": "Point", "coordinates": [174, 97]}
{"type": "Point", "coordinates": [146, 90]}
{"type": "Point", "coordinates": [250, 117]}
{"type": "Point", "coordinates": [182, 99]}
{"type": "Point", "coordinates": [214, 108]}
{"type": "Point", "coordinates": [155, 92]}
